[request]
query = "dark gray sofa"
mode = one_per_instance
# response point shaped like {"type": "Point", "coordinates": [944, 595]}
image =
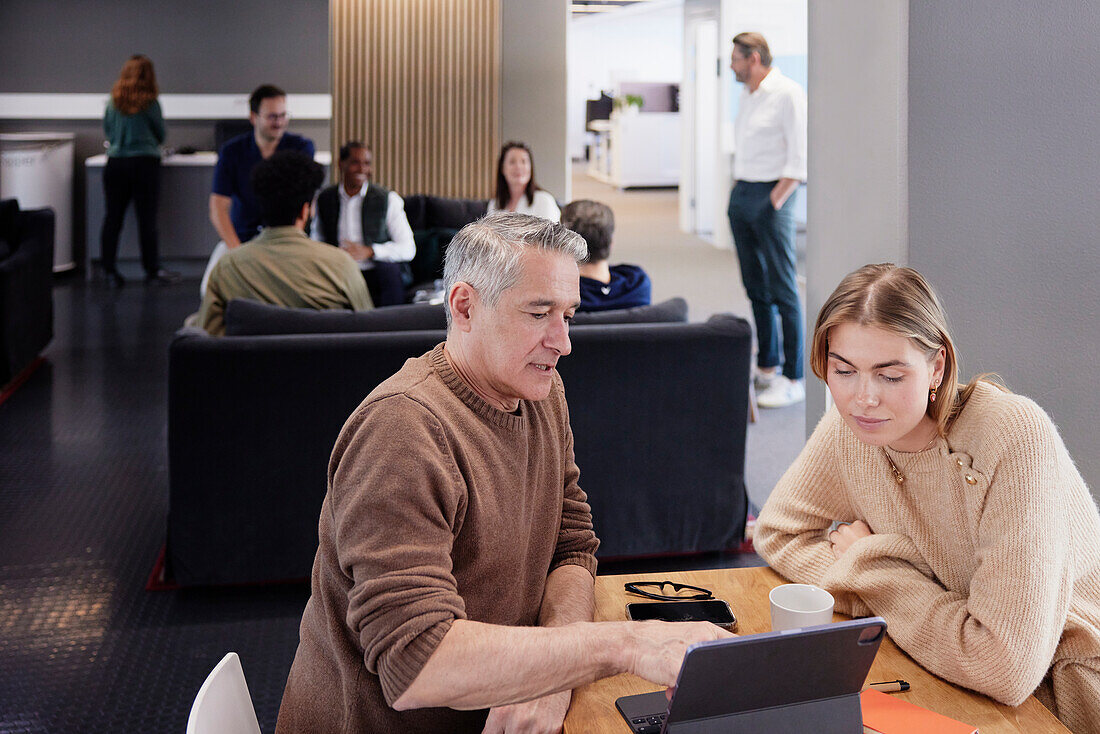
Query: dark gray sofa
{"type": "Point", "coordinates": [658, 412]}
{"type": "Point", "coordinates": [26, 286]}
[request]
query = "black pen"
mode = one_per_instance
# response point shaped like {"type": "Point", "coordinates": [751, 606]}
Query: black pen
{"type": "Point", "coordinates": [889, 686]}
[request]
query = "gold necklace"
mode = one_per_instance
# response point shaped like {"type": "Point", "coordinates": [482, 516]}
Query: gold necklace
{"type": "Point", "coordinates": [898, 476]}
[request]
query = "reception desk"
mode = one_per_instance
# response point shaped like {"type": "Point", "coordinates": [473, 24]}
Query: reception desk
{"type": "Point", "coordinates": [183, 219]}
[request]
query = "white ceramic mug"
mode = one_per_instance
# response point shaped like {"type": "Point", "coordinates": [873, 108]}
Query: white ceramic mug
{"type": "Point", "coordinates": [799, 605]}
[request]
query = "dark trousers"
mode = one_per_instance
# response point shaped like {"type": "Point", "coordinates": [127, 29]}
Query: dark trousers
{"type": "Point", "coordinates": [136, 178]}
{"type": "Point", "coordinates": [764, 239]}
{"type": "Point", "coordinates": [386, 283]}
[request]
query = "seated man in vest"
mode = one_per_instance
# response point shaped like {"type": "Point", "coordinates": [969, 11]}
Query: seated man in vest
{"type": "Point", "coordinates": [369, 222]}
{"type": "Point", "coordinates": [453, 583]}
{"type": "Point", "coordinates": [603, 287]}
{"type": "Point", "coordinates": [282, 266]}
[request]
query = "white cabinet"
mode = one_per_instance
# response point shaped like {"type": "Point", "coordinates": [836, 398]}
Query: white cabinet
{"type": "Point", "coordinates": [637, 149]}
{"type": "Point", "coordinates": [37, 170]}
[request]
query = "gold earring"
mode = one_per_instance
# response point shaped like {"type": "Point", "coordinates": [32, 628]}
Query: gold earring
{"type": "Point", "coordinates": [932, 394]}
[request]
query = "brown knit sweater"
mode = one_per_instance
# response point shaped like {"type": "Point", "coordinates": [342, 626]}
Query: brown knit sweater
{"type": "Point", "coordinates": [985, 563]}
{"type": "Point", "coordinates": [439, 507]}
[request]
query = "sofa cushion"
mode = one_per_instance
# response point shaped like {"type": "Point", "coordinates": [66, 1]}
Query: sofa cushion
{"type": "Point", "coordinates": [672, 310]}
{"type": "Point", "coordinates": [244, 317]}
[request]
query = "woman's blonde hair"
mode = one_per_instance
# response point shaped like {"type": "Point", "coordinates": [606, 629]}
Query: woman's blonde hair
{"type": "Point", "coordinates": [901, 301]}
{"type": "Point", "coordinates": [136, 87]}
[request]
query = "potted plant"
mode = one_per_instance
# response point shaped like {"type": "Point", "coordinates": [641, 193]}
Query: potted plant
{"type": "Point", "coordinates": [628, 103]}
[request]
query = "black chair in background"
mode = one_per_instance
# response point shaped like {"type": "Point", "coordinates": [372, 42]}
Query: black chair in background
{"type": "Point", "coordinates": [226, 129]}
{"type": "Point", "coordinates": [597, 109]}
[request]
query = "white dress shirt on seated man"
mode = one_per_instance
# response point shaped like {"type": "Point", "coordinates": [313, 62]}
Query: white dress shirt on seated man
{"type": "Point", "coordinates": [400, 249]}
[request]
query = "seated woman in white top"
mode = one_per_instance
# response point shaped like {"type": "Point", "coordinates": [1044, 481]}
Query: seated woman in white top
{"type": "Point", "coordinates": [964, 522]}
{"type": "Point", "coordinates": [516, 188]}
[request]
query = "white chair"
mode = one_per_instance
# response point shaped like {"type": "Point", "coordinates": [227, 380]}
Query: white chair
{"type": "Point", "coordinates": [222, 705]}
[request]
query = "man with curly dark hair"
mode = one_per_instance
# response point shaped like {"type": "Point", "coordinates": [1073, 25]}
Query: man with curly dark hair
{"type": "Point", "coordinates": [282, 266]}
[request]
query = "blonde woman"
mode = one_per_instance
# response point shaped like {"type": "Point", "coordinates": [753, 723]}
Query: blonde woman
{"type": "Point", "coordinates": [964, 522]}
{"type": "Point", "coordinates": [134, 126]}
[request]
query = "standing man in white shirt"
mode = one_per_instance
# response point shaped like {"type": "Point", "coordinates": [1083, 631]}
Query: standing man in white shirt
{"type": "Point", "coordinates": [369, 222]}
{"type": "Point", "coordinates": [769, 164]}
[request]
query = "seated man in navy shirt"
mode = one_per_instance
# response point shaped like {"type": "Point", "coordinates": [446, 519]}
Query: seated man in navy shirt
{"type": "Point", "coordinates": [234, 210]}
{"type": "Point", "coordinates": [368, 221]}
{"type": "Point", "coordinates": [603, 287]}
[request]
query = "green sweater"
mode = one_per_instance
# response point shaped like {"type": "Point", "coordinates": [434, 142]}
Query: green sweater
{"type": "Point", "coordinates": [131, 135]}
{"type": "Point", "coordinates": [283, 267]}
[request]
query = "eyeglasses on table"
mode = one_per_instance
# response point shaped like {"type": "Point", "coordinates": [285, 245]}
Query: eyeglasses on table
{"type": "Point", "coordinates": [680, 592]}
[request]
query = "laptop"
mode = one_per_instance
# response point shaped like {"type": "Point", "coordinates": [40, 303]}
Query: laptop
{"type": "Point", "coordinates": [805, 679]}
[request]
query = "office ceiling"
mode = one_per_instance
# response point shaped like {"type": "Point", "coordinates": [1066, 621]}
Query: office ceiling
{"type": "Point", "coordinates": [581, 8]}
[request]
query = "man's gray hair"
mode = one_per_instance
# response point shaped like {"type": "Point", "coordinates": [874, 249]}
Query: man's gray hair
{"type": "Point", "coordinates": [486, 253]}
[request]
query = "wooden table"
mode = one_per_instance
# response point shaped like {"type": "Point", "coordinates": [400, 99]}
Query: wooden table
{"type": "Point", "coordinates": [746, 589]}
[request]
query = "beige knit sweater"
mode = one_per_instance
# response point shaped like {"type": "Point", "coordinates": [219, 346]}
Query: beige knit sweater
{"type": "Point", "coordinates": [985, 563]}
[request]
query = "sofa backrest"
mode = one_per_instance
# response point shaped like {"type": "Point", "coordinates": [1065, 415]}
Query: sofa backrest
{"type": "Point", "coordinates": [245, 317]}
{"type": "Point", "coordinates": [674, 310]}
{"type": "Point", "coordinates": [425, 212]}
{"type": "Point", "coordinates": [659, 414]}
{"type": "Point", "coordinates": [9, 226]}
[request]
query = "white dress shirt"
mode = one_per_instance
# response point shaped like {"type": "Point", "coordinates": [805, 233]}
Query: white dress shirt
{"type": "Point", "coordinates": [401, 248]}
{"type": "Point", "coordinates": [543, 206]}
{"type": "Point", "coordinates": [769, 133]}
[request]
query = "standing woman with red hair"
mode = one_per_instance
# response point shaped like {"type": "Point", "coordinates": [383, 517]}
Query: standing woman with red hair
{"type": "Point", "coordinates": [134, 126]}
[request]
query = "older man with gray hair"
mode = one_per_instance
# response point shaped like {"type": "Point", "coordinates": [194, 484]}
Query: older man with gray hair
{"type": "Point", "coordinates": [453, 583]}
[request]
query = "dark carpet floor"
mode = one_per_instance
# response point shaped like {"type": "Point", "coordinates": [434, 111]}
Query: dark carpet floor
{"type": "Point", "coordinates": [83, 499]}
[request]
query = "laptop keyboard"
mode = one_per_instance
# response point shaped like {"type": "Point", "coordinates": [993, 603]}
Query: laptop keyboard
{"type": "Point", "coordinates": [648, 724]}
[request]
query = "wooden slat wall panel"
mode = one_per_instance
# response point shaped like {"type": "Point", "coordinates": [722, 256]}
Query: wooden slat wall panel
{"type": "Point", "coordinates": [419, 81]}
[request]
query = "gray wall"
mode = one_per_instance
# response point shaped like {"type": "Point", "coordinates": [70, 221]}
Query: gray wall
{"type": "Point", "coordinates": [533, 59]}
{"type": "Point", "coordinates": [198, 47]}
{"type": "Point", "coordinates": [1003, 182]}
{"type": "Point", "coordinates": [856, 203]}
{"type": "Point", "coordinates": [997, 191]}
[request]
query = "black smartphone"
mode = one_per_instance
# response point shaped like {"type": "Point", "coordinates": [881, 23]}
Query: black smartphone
{"type": "Point", "coordinates": [714, 611]}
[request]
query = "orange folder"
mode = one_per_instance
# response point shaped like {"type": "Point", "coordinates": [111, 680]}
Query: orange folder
{"type": "Point", "coordinates": [885, 714]}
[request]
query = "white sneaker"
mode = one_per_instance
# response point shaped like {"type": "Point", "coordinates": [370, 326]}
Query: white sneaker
{"type": "Point", "coordinates": [781, 393]}
{"type": "Point", "coordinates": [763, 380]}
